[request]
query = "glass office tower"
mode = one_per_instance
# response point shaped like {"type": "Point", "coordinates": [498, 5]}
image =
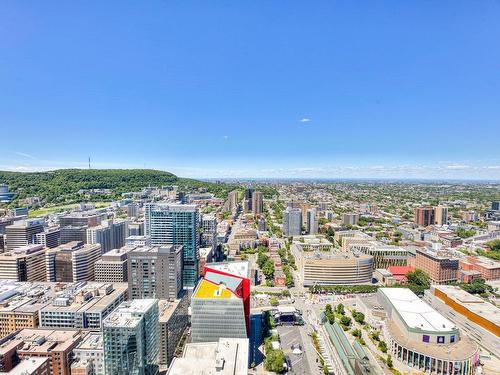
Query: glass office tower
{"type": "Point", "coordinates": [132, 338]}
{"type": "Point", "coordinates": [176, 224]}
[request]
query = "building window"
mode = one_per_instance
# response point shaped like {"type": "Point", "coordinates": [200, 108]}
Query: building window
{"type": "Point", "coordinates": [440, 339]}
{"type": "Point", "coordinates": [426, 338]}
{"type": "Point", "coordinates": [452, 338]}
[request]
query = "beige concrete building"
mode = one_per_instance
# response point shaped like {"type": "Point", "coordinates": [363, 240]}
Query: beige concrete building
{"type": "Point", "coordinates": [335, 268]}
{"type": "Point", "coordinates": [25, 263]}
{"type": "Point", "coordinates": [72, 262]}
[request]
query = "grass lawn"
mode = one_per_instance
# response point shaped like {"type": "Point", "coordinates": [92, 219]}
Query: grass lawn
{"type": "Point", "coordinates": [65, 207]}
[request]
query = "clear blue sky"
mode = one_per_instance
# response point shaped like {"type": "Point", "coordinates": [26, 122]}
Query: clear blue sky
{"type": "Point", "coordinates": [253, 88]}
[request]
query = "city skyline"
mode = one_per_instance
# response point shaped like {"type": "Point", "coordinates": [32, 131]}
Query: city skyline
{"type": "Point", "coordinates": [386, 90]}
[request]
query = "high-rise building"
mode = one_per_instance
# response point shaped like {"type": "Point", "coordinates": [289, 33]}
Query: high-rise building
{"type": "Point", "coordinates": [110, 235]}
{"type": "Point", "coordinates": [22, 233]}
{"type": "Point", "coordinates": [248, 198]}
{"type": "Point", "coordinates": [261, 224]}
{"type": "Point", "coordinates": [50, 237]}
{"type": "Point", "coordinates": [25, 263]}
{"type": "Point", "coordinates": [100, 234]}
{"type": "Point", "coordinates": [442, 268]}
{"type": "Point", "coordinates": [119, 232]}
{"type": "Point", "coordinates": [495, 206]}
{"type": "Point", "coordinates": [424, 216]}
{"type": "Point", "coordinates": [312, 221]}
{"type": "Point", "coordinates": [72, 262]}
{"type": "Point", "coordinates": [133, 210]}
{"type": "Point", "coordinates": [135, 228]}
{"type": "Point", "coordinates": [155, 272]}
{"type": "Point", "coordinates": [441, 215]}
{"type": "Point", "coordinates": [232, 201]}
{"type": "Point", "coordinates": [132, 338]}
{"type": "Point", "coordinates": [173, 322]}
{"type": "Point", "coordinates": [257, 203]}
{"type": "Point", "coordinates": [72, 233]}
{"type": "Point", "coordinates": [176, 224]}
{"type": "Point", "coordinates": [292, 222]}
{"type": "Point", "coordinates": [208, 231]}
{"type": "Point", "coordinates": [112, 267]}
{"type": "Point", "coordinates": [89, 218]}
{"type": "Point", "coordinates": [350, 219]}
{"type": "Point", "coordinates": [220, 305]}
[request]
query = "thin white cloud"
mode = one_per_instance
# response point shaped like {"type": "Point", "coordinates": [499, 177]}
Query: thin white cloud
{"type": "Point", "coordinates": [457, 166]}
{"type": "Point", "coordinates": [226, 137]}
{"type": "Point", "coordinates": [24, 155]}
{"type": "Point", "coordinates": [305, 119]}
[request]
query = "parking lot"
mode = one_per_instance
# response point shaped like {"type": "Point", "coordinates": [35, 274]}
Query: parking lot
{"type": "Point", "coordinates": [290, 336]}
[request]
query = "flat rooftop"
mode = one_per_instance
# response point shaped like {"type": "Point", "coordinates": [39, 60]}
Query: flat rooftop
{"type": "Point", "coordinates": [102, 295]}
{"type": "Point", "coordinates": [41, 341]}
{"type": "Point", "coordinates": [27, 366]}
{"type": "Point", "coordinates": [415, 313]}
{"type": "Point", "coordinates": [93, 341]}
{"type": "Point", "coordinates": [238, 268]}
{"type": "Point", "coordinates": [225, 357]}
{"type": "Point", "coordinates": [129, 313]}
{"type": "Point", "coordinates": [472, 303]}
{"type": "Point", "coordinates": [166, 309]}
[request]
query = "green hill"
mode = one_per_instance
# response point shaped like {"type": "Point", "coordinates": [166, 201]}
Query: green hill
{"type": "Point", "coordinates": [63, 185]}
{"type": "Point", "coordinates": [67, 186]}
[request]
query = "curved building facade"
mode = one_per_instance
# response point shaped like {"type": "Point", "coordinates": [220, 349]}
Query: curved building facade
{"type": "Point", "coordinates": [335, 269]}
{"type": "Point", "coordinates": [421, 338]}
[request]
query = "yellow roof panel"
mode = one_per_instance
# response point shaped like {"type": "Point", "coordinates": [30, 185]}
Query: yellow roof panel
{"type": "Point", "coordinates": [207, 289]}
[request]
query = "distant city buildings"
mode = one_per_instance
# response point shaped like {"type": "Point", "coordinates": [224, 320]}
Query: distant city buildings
{"type": "Point", "coordinates": [441, 215]}
{"type": "Point", "coordinates": [312, 221]}
{"type": "Point", "coordinates": [424, 216]}
{"type": "Point", "coordinates": [292, 222]}
{"type": "Point", "coordinates": [257, 203]}
{"type": "Point", "coordinates": [82, 306]}
{"type": "Point", "coordinates": [50, 237]}
{"type": "Point", "coordinates": [89, 355]}
{"type": "Point", "coordinates": [350, 219]}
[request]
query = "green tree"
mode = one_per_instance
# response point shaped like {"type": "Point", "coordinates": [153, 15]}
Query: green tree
{"type": "Point", "coordinates": [382, 346]}
{"type": "Point", "coordinates": [389, 361]}
{"type": "Point", "coordinates": [345, 321]}
{"type": "Point", "coordinates": [340, 309]}
{"type": "Point", "coordinates": [274, 361]}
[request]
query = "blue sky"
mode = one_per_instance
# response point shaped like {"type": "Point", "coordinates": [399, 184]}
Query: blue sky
{"type": "Point", "coordinates": [253, 88]}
